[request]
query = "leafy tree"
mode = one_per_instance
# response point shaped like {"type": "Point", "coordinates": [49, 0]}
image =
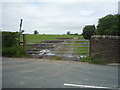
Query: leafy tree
{"type": "Point", "coordinates": [118, 25]}
{"type": "Point", "coordinates": [22, 31]}
{"type": "Point", "coordinates": [88, 31]}
{"type": "Point", "coordinates": [36, 32]}
{"type": "Point", "coordinates": [108, 25]}
{"type": "Point", "coordinates": [68, 32]}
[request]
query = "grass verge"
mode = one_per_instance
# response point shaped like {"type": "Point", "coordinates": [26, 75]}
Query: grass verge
{"type": "Point", "coordinates": [95, 59]}
{"type": "Point", "coordinates": [15, 51]}
{"type": "Point", "coordinates": [56, 58]}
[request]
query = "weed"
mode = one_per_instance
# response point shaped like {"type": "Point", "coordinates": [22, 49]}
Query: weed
{"type": "Point", "coordinates": [56, 58]}
{"type": "Point", "coordinates": [96, 59]}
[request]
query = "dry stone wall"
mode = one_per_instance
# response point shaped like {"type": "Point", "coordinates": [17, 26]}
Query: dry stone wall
{"type": "Point", "coordinates": [108, 47]}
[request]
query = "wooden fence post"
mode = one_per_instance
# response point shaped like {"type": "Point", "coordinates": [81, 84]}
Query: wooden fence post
{"type": "Point", "coordinates": [24, 41]}
{"type": "Point", "coordinates": [20, 31]}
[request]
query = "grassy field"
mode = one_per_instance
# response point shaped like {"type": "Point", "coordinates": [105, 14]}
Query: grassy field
{"type": "Point", "coordinates": [32, 38]}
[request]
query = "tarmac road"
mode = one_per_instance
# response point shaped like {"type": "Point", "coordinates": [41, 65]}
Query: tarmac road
{"type": "Point", "coordinates": [41, 73]}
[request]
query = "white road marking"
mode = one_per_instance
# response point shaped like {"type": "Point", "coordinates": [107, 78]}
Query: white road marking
{"type": "Point", "coordinates": [84, 86]}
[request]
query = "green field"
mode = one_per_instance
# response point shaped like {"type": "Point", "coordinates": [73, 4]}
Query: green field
{"type": "Point", "coordinates": [32, 38]}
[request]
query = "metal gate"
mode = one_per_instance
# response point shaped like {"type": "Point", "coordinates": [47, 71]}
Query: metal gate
{"type": "Point", "coordinates": [64, 47]}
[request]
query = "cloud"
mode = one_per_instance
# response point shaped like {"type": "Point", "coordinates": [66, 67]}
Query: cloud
{"type": "Point", "coordinates": [60, 1]}
{"type": "Point", "coordinates": [54, 17]}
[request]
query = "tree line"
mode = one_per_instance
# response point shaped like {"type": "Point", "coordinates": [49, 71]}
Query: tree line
{"type": "Point", "coordinates": [108, 25]}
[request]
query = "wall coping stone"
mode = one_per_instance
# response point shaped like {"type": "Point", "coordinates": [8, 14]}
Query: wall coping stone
{"type": "Point", "coordinates": [104, 37]}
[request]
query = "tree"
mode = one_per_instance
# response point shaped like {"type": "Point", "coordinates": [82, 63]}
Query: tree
{"type": "Point", "coordinates": [88, 31]}
{"type": "Point", "coordinates": [76, 34]}
{"type": "Point", "coordinates": [36, 32]}
{"type": "Point", "coordinates": [68, 32]}
{"type": "Point", "coordinates": [108, 25]}
{"type": "Point", "coordinates": [22, 31]}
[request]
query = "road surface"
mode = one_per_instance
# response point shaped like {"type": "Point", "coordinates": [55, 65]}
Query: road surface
{"type": "Point", "coordinates": [43, 73]}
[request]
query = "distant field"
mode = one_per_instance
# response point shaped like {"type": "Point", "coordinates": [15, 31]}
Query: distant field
{"type": "Point", "coordinates": [31, 38]}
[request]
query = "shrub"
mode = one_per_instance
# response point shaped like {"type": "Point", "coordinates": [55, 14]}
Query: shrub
{"type": "Point", "coordinates": [88, 31]}
{"type": "Point", "coordinates": [9, 39]}
{"type": "Point", "coordinates": [14, 51]}
{"type": "Point", "coordinates": [96, 59]}
{"type": "Point", "coordinates": [10, 45]}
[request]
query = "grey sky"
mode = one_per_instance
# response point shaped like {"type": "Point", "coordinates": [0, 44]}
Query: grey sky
{"type": "Point", "coordinates": [54, 17]}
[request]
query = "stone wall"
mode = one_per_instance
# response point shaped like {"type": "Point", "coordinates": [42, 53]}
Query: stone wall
{"type": "Point", "coordinates": [108, 47]}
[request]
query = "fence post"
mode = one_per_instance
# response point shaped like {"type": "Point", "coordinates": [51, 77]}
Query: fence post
{"type": "Point", "coordinates": [24, 41]}
{"type": "Point", "coordinates": [20, 31]}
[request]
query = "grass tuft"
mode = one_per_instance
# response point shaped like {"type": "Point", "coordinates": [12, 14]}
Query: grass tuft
{"type": "Point", "coordinates": [56, 58]}
{"type": "Point", "coordinates": [95, 59]}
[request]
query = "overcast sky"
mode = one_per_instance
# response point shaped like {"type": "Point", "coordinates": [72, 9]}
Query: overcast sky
{"type": "Point", "coordinates": [54, 17]}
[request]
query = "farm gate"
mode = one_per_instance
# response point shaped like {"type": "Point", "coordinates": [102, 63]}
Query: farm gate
{"type": "Point", "coordinates": [63, 47]}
